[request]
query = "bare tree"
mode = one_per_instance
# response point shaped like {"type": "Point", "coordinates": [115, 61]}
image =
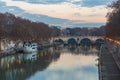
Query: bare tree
{"type": "Point", "coordinates": [113, 23]}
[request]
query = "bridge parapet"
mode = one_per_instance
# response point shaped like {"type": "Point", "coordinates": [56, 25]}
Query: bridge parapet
{"type": "Point", "coordinates": [92, 38]}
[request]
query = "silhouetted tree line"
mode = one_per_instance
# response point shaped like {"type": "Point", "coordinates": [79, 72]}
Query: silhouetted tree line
{"type": "Point", "coordinates": [112, 27]}
{"type": "Point", "coordinates": [84, 31]}
{"type": "Point", "coordinates": [55, 32]}
{"type": "Point", "coordinates": [16, 28]}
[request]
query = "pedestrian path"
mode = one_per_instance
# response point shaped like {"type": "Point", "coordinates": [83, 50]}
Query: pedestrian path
{"type": "Point", "coordinates": [109, 69]}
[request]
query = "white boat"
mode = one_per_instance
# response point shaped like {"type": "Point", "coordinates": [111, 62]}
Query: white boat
{"type": "Point", "coordinates": [30, 47]}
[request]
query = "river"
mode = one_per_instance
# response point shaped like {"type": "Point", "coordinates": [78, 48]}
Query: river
{"type": "Point", "coordinates": [61, 63]}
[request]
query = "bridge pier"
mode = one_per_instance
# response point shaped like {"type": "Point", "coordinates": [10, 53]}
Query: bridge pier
{"type": "Point", "coordinates": [77, 39]}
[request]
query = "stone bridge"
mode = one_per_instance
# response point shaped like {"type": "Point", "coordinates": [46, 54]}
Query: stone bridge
{"type": "Point", "coordinates": [78, 39]}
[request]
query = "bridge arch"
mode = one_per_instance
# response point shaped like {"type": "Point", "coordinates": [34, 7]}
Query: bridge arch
{"type": "Point", "coordinates": [59, 41]}
{"type": "Point", "coordinates": [85, 42]}
{"type": "Point", "coordinates": [72, 41]}
{"type": "Point", "coordinates": [78, 39]}
{"type": "Point", "coordinates": [99, 41]}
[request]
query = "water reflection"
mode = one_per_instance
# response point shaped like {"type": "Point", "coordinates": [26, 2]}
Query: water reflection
{"type": "Point", "coordinates": [30, 56]}
{"type": "Point", "coordinates": [87, 50]}
{"type": "Point", "coordinates": [51, 64]}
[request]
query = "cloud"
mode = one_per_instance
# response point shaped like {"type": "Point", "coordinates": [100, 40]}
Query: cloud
{"type": "Point", "coordinates": [87, 3]}
{"type": "Point", "coordinates": [44, 18]}
{"type": "Point", "coordinates": [43, 1]}
{"type": "Point", "coordinates": [55, 15]}
{"type": "Point", "coordinates": [47, 19]}
{"type": "Point", "coordinates": [2, 4]}
{"type": "Point", "coordinates": [34, 17]}
{"type": "Point", "coordinates": [92, 3]}
{"type": "Point", "coordinates": [12, 9]}
{"type": "Point", "coordinates": [77, 14]}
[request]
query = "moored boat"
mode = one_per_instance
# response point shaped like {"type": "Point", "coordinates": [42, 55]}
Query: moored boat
{"type": "Point", "coordinates": [30, 47]}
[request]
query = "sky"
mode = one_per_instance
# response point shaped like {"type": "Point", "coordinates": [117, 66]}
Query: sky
{"type": "Point", "coordinates": [64, 13]}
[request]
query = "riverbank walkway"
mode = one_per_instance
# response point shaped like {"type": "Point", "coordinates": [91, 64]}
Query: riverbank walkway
{"type": "Point", "coordinates": [10, 51]}
{"type": "Point", "coordinates": [107, 65]}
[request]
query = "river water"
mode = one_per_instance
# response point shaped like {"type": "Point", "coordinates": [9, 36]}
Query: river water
{"type": "Point", "coordinates": [51, 64]}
